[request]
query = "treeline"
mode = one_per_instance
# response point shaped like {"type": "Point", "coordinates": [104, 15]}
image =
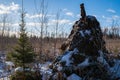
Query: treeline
{"type": "Point", "coordinates": [50, 45]}
{"type": "Point", "coordinates": [112, 33]}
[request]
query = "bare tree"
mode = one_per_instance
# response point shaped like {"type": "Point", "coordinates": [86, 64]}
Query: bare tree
{"type": "Point", "coordinates": [3, 24]}
{"type": "Point", "coordinates": [56, 30]}
{"type": "Point", "coordinates": [4, 30]}
{"type": "Point", "coordinates": [42, 20]}
{"type": "Point", "coordinates": [114, 32]}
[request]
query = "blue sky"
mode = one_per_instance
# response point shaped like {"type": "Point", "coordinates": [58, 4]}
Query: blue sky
{"type": "Point", "coordinates": [106, 11]}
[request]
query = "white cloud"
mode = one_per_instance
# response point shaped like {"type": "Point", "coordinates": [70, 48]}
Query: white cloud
{"type": "Point", "coordinates": [38, 16]}
{"type": "Point", "coordinates": [71, 23]}
{"type": "Point", "coordinates": [111, 10]}
{"type": "Point", "coordinates": [13, 6]}
{"type": "Point", "coordinates": [107, 19]}
{"type": "Point", "coordinates": [51, 15]}
{"type": "Point", "coordinates": [6, 9]}
{"type": "Point", "coordinates": [111, 18]}
{"type": "Point", "coordinates": [78, 15]}
{"type": "Point", "coordinates": [32, 24]}
{"type": "Point", "coordinates": [50, 23]}
{"type": "Point", "coordinates": [33, 16]}
{"type": "Point", "coordinates": [95, 15]}
{"type": "Point", "coordinates": [36, 25]}
{"type": "Point", "coordinates": [115, 17]}
{"type": "Point", "coordinates": [63, 21]}
{"type": "Point", "coordinates": [103, 16]}
{"type": "Point", "coordinates": [15, 24]}
{"type": "Point", "coordinates": [69, 14]}
{"type": "Point", "coordinates": [28, 24]}
{"type": "Point", "coordinates": [65, 9]}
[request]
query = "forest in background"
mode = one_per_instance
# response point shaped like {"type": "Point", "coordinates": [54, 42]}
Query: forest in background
{"type": "Point", "coordinates": [51, 45]}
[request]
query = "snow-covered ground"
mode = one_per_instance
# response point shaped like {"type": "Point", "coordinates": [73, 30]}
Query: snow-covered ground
{"type": "Point", "coordinates": [4, 74]}
{"type": "Point", "coordinates": [44, 69]}
{"type": "Point", "coordinates": [5, 78]}
{"type": "Point", "coordinates": [46, 72]}
{"type": "Point", "coordinates": [5, 68]}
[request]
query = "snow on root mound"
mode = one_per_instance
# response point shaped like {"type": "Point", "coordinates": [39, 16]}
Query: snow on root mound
{"type": "Point", "coordinates": [67, 58]}
{"type": "Point", "coordinates": [74, 77]}
{"type": "Point", "coordinates": [115, 70]}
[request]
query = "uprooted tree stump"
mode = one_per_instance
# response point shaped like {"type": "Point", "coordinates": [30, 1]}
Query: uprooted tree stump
{"type": "Point", "coordinates": [85, 56]}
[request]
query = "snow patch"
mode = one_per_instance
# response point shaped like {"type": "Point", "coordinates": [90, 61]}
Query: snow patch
{"type": "Point", "coordinates": [101, 58]}
{"type": "Point", "coordinates": [74, 77]}
{"type": "Point", "coordinates": [115, 70]}
{"type": "Point", "coordinates": [44, 68]}
{"type": "Point", "coordinates": [87, 32]}
{"type": "Point", "coordinates": [68, 55]}
{"type": "Point", "coordinates": [75, 51]}
{"type": "Point", "coordinates": [59, 68]}
{"type": "Point", "coordinates": [9, 63]}
{"type": "Point", "coordinates": [67, 58]}
{"type": "Point", "coordinates": [84, 63]}
{"type": "Point", "coordinates": [82, 34]}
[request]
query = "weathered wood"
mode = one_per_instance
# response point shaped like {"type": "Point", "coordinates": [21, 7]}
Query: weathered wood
{"type": "Point", "coordinates": [83, 13]}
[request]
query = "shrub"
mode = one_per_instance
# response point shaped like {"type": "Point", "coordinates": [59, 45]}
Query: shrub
{"type": "Point", "coordinates": [27, 75]}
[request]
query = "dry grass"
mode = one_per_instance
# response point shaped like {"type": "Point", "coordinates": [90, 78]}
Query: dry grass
{"type": "Point", "coordinates": [113, 45]}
